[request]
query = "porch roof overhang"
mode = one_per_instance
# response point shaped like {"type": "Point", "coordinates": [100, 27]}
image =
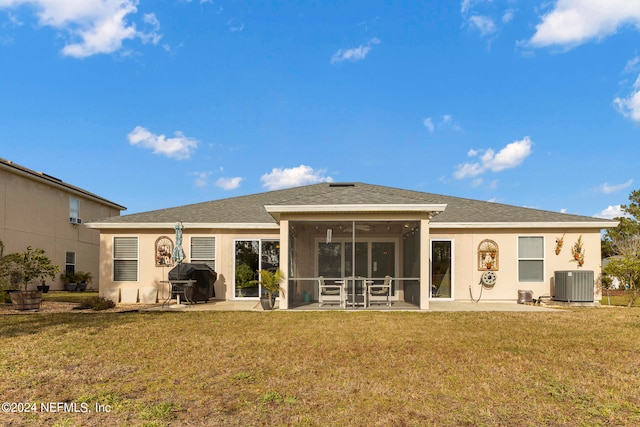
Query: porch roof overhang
{"type": "Point", "coordinates": [277, 210]}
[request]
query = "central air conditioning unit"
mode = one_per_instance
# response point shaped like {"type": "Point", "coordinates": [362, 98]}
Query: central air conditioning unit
{"type": "Point", "coordinates": [574, 286]}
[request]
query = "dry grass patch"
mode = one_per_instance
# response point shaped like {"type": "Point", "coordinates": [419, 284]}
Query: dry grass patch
{"type": "Point", "coordinates": [576, 367]}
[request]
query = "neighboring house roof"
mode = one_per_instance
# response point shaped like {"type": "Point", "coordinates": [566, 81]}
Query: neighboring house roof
{"type": "Point", "coordinates": [54, 182]}
{"type": "Point", "coordinates": [251, 211]}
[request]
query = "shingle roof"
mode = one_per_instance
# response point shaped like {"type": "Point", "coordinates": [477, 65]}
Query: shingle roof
{"type": "Point", "coordinates": [250, 209]}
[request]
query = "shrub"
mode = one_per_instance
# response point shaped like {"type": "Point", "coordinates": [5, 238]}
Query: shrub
{"type": "Point", "coordinates": [97, 303]}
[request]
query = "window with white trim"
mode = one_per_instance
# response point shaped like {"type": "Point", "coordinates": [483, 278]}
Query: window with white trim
{"type": "Point", "coordinates": [203, 251]}
{"type": "Point", "coordinates": [74, 208]}
{"type": "Point", "coordinates": [125, 259]}
{"type": "Point", "coordinates": [70, 262]}
{"type": "Point", "coordinates": [531, 259]}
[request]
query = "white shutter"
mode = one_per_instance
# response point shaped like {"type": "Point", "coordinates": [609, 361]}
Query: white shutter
{"type": "Point", "coordinates": [203, 250]}
{"type": "Point", "coordinates": [125, 259]}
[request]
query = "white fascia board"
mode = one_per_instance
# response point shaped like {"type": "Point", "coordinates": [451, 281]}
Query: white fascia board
{"type": "Point", "coordinates": [573, 224]}
{"type": "Point", "coordinates": [276, 210]}
{"type": "Point", "coordinates": [187, 225]}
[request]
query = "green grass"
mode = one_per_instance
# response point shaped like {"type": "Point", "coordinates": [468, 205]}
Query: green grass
{"type": "Point", "coordinates": [64, 296]}
{"type": "Point", "coordinates": [571, 367]}
{"type": "Point", "coordinates": [621, 301]}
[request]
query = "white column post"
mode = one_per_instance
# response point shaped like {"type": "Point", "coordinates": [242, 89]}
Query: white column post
{"type": "Point", "coordinates": [424, 264]}
{"type": "Point", "coordinates": [284, 262]}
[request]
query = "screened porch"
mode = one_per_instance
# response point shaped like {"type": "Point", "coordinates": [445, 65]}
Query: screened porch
{"type": "Point", "coordinates": [354, 264]}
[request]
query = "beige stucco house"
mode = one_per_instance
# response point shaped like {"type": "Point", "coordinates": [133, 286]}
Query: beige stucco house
{"type": "Point", "coordinates": [353, 235]}
{"type": "Point", "coordinates": [41, 211]}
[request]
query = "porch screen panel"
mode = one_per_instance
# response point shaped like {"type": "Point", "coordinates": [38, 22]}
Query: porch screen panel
{"type": "Point", "coordinates": [330, 260]}
{"type": "Point", "coordinates": [125, 259]}
{"type": "Point", "coordinates": [203, 250]}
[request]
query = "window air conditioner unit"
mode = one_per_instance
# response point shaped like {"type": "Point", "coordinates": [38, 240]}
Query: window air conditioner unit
{"type": "Point", "coordinates": [73, 220]}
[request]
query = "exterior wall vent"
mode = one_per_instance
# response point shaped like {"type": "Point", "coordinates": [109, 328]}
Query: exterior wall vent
{"type": "Point", "coordinates": [574, 285]}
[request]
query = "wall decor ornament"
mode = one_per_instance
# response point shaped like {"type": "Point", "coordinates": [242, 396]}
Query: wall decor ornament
{"type": "Point", "coordinates": [578, 251]}
{"type": "Point", "coordinates": [559, 243]}
{"type": "Point", "coordinates": [488, 255]}
{"type": "Point", "coordinates": [164, 249]}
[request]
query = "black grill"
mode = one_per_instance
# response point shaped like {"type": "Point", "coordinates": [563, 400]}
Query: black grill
{"type": "Point", "coordinates": [204, 276]}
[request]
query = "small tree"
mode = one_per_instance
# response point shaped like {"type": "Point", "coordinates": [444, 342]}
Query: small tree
{"type": "Point", "coordinates": [624, 242]}
{"type": "Point", "coordinates": [23, 268]}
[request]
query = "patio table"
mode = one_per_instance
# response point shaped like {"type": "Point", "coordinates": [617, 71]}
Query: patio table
{"type": "Point", "coordinates": [178, 287]}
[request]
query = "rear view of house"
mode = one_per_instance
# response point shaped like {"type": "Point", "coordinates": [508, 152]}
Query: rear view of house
{"type": "Point", "coordinates": [357, 237]}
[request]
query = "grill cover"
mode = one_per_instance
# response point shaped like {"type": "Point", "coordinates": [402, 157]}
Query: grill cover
{"type": "Point", "coordinates": [205, 277]}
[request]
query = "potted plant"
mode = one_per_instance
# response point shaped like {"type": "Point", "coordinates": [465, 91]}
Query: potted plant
{"type": "Point", "coordinates": [70, 281]}
{"type": "Point", "coordinates": [82, 278]}
{"type": "Point", "coordinates": [270, 281]}
{"type": "Point", "coordinates": [25, 268]}
{"type": "Point", "coordinates": [245, 278]}
{"type": "Point", "coordinates": [44, 288]}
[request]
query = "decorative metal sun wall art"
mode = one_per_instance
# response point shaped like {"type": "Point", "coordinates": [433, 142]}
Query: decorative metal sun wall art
{"type": "Point", "coordinates": [488, 255]}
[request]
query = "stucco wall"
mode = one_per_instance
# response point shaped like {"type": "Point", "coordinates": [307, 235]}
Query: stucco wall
{"type": "Point", "coordinates": [151, 276]}
{"type": "Point", "coordinates": [33, 213]}
{"type": "Point", "coordinates": [465, 253]}
{"type": "Point", "coordinates": [507, 285]}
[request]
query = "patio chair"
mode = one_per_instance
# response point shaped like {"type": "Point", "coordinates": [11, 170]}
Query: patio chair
{"type": "Point", "coordinates": [380, 293]}
{"type": "Point", "coordinates": [330, 293]}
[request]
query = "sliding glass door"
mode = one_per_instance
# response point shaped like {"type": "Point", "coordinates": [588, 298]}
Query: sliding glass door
{"type": "Point", "coordinates": [441, 269]}
{"type": "Point", "coordinates": [251, 256]}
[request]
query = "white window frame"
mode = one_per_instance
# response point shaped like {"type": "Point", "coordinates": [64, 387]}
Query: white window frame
{"type": "Point", "coordinates": [211, 262]}
{"type": "Point", "coordinates": [125, 258]}
{"type": "Point", "coordinates": [544, 264]}
{"type": "Point", "coordinates": [67, 263]}
{"type": "Point", "coordinates": [451, 273]}
{"type": "Point", "coordinates": [74, 207]}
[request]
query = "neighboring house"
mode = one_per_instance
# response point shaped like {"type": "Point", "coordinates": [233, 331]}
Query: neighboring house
{"type": "Point", "coordinates": [433, 246]}
{"type": "Point", "coordinates": [44, 212]}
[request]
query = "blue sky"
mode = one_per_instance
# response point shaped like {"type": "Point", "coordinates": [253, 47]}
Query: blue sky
{"type": "Point", "coordinates": [154, 104]}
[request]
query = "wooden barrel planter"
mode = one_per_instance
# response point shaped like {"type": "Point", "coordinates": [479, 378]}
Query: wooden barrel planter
{"type": "Point", "coordinates": [26, 300]}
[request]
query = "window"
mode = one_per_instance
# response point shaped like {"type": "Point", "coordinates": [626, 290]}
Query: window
{"type": "Point", "coordinates": [70, 262]}
{"type": "Point", "coordinates": [530, 259]}
{"type": "Point", "coordinates": [203, 251]}
{"type": "Point", "coordinates": [125, 259]}
{"type": "Point", "coordinates": [74, 208]}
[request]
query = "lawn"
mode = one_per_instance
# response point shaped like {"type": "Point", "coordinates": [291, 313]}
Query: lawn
{"type": "Point", "coordinates": [571, 367]}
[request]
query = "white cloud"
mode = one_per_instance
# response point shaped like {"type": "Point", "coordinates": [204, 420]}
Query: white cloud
{"type": "Point", "coordinates": [234, 28]}
{"type": "Point", "coordinates": [202, 179]}
{"type": "Point", "coordinates": [508, 16]}
{"type": "Point", "coordinates": [354, 54]}
{"type": "Point", "coordinates": [510, 156]}
{"type": "Point", "coordinates": [630, 106]}
{"type": "Point", "coordinates": [180, 147]}
{"type": "Point", "coordinates": [574, 22]}
{"type": "Point", "coordinates": [229, 183]}
{"type": "Point", "coordinates": [93, 26]}
{"type": "Point", "coordinates": [608, 189]}
{"type": "Point", "coordinates": [428, 123]}
{"type": "Point", "coordinates": [611, 212]}
{"type": "Point", "coordinates": [293, 177]}
{"type": "Point", "coordinates": [632, 65]}
{"type": "Point", "coordinates": [484, 24]}
{"type": "Point", "coordinates": [445, 122]}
